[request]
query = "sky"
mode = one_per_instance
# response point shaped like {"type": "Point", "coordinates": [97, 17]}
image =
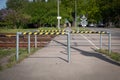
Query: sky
{"type": "Point", "coordinates": [2, 4]}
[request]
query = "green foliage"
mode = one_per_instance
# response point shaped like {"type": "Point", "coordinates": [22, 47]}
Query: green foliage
{"type": "Point", "coordinates": [12, 60]}
{"type": "Point", "coordinates": [6, 52]}
{"type": "Point", "coordinates": [6, 30]}
{"type": "Point", "coordinates": [16, 4]}
{"type": "Point", "coordinates": [41, 13]}
{"type": "Point", "coordinates": [110, 11]}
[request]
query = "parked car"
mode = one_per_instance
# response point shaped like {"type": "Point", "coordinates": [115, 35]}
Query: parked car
{"type": "Point", "coordinates": [91, 25]}
{"type": "Point", "coordinates": [101, 25]}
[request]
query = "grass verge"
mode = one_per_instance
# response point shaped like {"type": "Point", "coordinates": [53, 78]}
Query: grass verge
{"type": "Point", "coordinates": [6, 52]}
{"type": "Point", "coordinates": [12, 59]}
{"type": "Point", "coordinates": [113, 55]}
{"type": "Point", "coordinates": [42, 28]}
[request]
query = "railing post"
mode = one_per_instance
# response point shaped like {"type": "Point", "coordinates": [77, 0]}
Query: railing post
{"type": "Point", "coordinates": [35, 41]}
{"type": "Point", "coordinates": [17, 45]}
{"type": "Point", "coordinates": [100, 40]}
{"type": "Point", "coordinates": [109, 42]}
{"type": "Point", "coordinates": [68, 46]}
{"type": "Point", "coordinates": [28, 43]}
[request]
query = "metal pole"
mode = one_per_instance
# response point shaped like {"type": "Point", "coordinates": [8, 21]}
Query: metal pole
{"type": "Point", "coordinates": [35, 41]}
{"type": "Point", "coordinates": [75, 16]}
{"type": "Point", "coordinates": [28, 43]}
{"type": "Point", "coordinates": [100, 41]}
{"type": "Point", "coordinates": [58, 14]}
{"type": "Point", "coordinates": [109, 42]}
{"type": "Point", "coordinates": [68, 46]}
{"type": "Point", "coordinates": [58, 23]}
{"type": "Point", "coordinates": [17, 46]}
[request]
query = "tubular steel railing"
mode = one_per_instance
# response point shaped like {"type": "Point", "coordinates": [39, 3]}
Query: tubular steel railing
{"type": "Point", "coordinates": [59, 32]}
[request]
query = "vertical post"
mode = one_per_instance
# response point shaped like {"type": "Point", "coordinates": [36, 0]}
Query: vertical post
{"type": "Point", "coordinates": [109, 42]}
{"type": "Point", "coordinates": [100, 40]}
{"type": "Point", "coordinates": [68, 46]}
{"type": "Point", "coordinates": [28, 43]}
{"type": "Point", "coordinates": [75, 15]}
{"type": "Point", "coordinates": [35, 41]}
{"type": "Point", "coordinates": [17, 46]}
{"type": "Point", "coordinates": [77, 28]}
{"type": "Point", "coordinates": [58, 4]}
{"type": "Point", "coordinates": [58, 23]}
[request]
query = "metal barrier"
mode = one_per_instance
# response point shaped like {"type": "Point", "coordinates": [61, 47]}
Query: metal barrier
{"type": "Point", "coordinates": [35, 34]}
{"type": "Point", "coordinates": [62, 32]}
{"type": "Point", "coordinates": [59, 32]}
{"type": "Point", "coordinates": [109, 41]}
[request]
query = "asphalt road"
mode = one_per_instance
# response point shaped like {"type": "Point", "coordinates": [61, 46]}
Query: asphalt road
{"type": "Point", "coordinates": [50, 62]}
{"type": "Point", "coordinates": [114, 31]}
{"type": "Point", "coordinates": [115, 38]}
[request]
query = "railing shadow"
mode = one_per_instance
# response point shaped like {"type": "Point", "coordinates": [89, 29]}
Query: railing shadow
{"type": "Point", "coordinates": [92, 54]}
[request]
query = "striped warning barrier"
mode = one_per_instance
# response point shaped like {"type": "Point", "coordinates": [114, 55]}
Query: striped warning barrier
{"type": "Point", "coordinates": [62, 32]}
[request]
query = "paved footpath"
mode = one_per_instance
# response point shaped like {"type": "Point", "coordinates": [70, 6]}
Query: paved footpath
{"type": "Point", "coordinates": [50, 63]}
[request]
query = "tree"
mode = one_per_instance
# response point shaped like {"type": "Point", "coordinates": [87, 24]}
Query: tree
{"type": "Point", "coordinates": [16, 4]}
{"type": "Point", "coordinates": [13, 19]}
{"type": "Point", "coordinates": [110, 11]}
{"type": "Point", "coordinates": [42, 13]}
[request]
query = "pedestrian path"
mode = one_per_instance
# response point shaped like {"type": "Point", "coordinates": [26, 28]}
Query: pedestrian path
{"type": "Point", "coordinates": [50, 63]}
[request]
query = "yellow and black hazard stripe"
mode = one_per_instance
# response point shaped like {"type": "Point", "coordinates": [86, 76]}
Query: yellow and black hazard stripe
{"type": "Point", "coordinates": [36, 33]}
{"type": "Point", "coordinates": [88, 32]}
{"type": "Point", "coordinates": [62, 32]}
{"type": "Point", "coordinates": [51, 30]}
{"type": "Point", "coordinates": [25, 33]}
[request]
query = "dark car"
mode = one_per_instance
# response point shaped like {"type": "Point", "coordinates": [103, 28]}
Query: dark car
{"type": "Point", "coordinates": [101, 25]}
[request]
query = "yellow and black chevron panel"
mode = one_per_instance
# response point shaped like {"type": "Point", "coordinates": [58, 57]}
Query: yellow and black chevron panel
{"type": "Point", "coordinates": [36, 33]}
{"type": "Point", "coordinates": [41, 33]}
{"type": "Point", "coordinates": [52, 33]}
{"type": "Point", "coordinates": [51, 30]}
{"type": "Point", "coordinates": [25, 33]}
{"type": "Point", "coordinates": [103, 32]}
{"type": "Point", "coordinates": [30, 33]}
{"type": "Point", "coordinates": [88, 32]}
{"type": "Point", "coordinates": [62, 32]}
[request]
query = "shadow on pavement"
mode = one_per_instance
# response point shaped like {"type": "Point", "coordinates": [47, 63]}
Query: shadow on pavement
{"type": "Point", "coordinates": [91, 54]}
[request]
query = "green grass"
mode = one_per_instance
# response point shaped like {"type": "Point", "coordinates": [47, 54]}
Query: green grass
{"type": "Point", "coordinates": [24, 30]}
{"type": "Point", "coordinates": [80, 28]}
{"type": "Point", "coordinates": [42, 28]}
{"type": "Point", "coordinates": [12, 60]}
{"type": "Point", "coordinates": [15, 30]}
{"type": "Point", "coordinates": [6, 52]}
{"type": "Point", "coordinates": [113, 55]}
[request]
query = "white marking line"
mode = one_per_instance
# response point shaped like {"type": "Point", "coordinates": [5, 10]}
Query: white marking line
{"type": "Point", "coordinates": [89, 41]}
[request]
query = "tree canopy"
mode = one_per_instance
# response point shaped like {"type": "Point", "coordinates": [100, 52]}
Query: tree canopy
{"type": "Point", "coordinates": [40, 13]}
